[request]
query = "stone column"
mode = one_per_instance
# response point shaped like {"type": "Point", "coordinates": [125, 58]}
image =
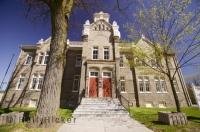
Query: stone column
{"type": "Point", "coordinates": [100, 83]}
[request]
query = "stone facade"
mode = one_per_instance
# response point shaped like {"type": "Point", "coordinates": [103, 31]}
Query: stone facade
{"type": "Point", "coordinates": [96, 68]}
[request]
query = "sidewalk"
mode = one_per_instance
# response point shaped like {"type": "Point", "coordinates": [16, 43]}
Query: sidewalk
{"type": "Point", "coordinates": [104, 124]}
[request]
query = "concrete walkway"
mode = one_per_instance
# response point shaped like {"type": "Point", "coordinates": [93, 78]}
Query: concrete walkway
{"type": "Point", "coordinates": [104, 124]}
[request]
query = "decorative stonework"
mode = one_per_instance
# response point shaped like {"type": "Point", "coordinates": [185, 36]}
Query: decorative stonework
{"type": "Point", "coordinates": [170, 118]}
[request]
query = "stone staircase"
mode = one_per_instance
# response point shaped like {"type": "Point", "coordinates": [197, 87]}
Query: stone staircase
{"type": "Point", "coordinates": [100, 107]}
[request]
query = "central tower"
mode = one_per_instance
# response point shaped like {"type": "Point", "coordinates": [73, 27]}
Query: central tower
{"type": "Point", "coordinates": [98, 72]}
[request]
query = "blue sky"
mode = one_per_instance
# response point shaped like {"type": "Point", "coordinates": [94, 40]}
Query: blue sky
{"type": "Point", "coordinates": [16, 29]}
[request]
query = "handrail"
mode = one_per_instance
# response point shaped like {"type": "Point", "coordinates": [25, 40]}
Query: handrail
{"type": "Point", "coordinates": [122, 99]}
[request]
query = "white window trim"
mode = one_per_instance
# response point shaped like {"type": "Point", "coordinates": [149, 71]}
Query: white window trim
{"type": "Point", "coordinates": [93, 53]}
{"type": "Point", "coordinates": [43, 58]}
{"type": "Point", "coordinates": [39, 55]}
{"type": "Point", "coordinates": [25, 63]}
{"type": "Point", "coordinates": [121, 56]}
{"type": "Point", "coordinates": [17, 86]}
{"type": "Point", "coordinates": [74, 82]}
{"type": "Point", "coordinates": [143, 81]}
{"type": "Point", "coordinates": [37, 84]}
{"type": "Point", "coordinates": [107, 76]}
{"type": "Point", "coordinates": [93, 76]}
{"type": "Point", "coordinates": [159, 81]}
{"type": "Point", "coordinates": [107, 49]}
{"type": "Point", "coordinates": [45, 55]}
{"type": "Point", "coordinates": [124, 86]}
{"type": "Point", "coordinates": [77, 64]}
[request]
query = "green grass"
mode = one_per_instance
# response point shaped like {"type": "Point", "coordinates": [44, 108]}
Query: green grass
{"type": "Point", "coordinates": [22, 127]}
{"type": "Point", "coordinates": [149, 117]}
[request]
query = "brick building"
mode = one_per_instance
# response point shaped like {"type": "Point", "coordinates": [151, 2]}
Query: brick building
{"type": "Point", "coordinates": [96, 68]}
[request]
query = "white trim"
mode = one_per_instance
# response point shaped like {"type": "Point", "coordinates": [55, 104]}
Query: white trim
{"type": "Point", "coordinates": [121, 56]}
{"type": "Point", "coordinates": [28, 55]}
{"type": "Point", "coordinates": [37, 82]}
{"type": "Point", "coordinates": [17, 86]}
{"type": "Point", "coordinates": [107, 49]}
{"type": "Point", "coordinates": [93, 52]}
{"type": "Point", "coordinates": [40, 55]}
{"type": "Point", "coordinates": [43, 58]}
{"type": "Point", "coordinates": [107, 76]}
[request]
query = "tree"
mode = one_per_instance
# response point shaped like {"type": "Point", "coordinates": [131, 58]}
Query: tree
{"type": "Point", "coordinates": [49, 102]}
{"type": "Point", "coordinates": [59, 11]}
{"type": "Point", "coordinates": [172, 27]}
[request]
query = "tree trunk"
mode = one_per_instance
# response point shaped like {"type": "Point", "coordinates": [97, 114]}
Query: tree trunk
{"type": "Point", "coordinates": [172, 85]}
{"type": "Point", "coordinates": [49, 102]}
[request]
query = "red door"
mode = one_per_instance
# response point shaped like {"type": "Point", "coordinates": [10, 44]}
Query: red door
{"type": "Point", "coordinates": [107, 90]}
{"type": "Point", "coordinates": [93, 87]}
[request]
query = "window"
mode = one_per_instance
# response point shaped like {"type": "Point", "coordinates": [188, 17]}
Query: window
{"type": "Point", "coordinates": [37, 82]}
{"type": "Point", "coordinates": [78, 61]}
{"type": "Point", "coordinates": [140, 83]}
{"type": "Point", "coordinates": [144, 84]}
{"type": "Point", "coordinates": [122, 84]}
{"type": "Point", "coordinates": [46, 57]}
{"type": "Point", "coordinates": [107, 74]}
{"type": "Point", "coordinates": [106, 53]}
{"type": "Point", "coordinates": [40, 82]}
{"type": "Point", "coordinates": [40, 58]}
{"type": "Point", "coordinates": [94, 74]}
{"type": "Point", "coordinates": [163, 85]}
{"type": "Point", "coordinates": [21, 82]}
{"type": "Point", "coordinates": [76, 83]}
{"type": "Point", "coordinates": [34, 82]}
{"type": "Point", "coordinates": [176, 86]}
{"type": "Point", "coordinates": [28, 60]}
{"type": "Point", "coordinates": [95, 53]}
{"type": "Point", "coordinates": [147, 84]}
{"type": "Point", "coordinates": [121, 61]}
{"type": "Point", "coordinates": [43, 58]}
{"type": "Point", "coordinates": [157, 83]}
{"type": "Point", "coordinates": [160, 84]}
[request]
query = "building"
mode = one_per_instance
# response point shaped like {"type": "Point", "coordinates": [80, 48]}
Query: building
{"type": "Point", "coordinates": [96, 68]}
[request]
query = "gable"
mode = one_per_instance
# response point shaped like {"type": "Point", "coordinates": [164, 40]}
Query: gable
{"type": "Point", "coordinates": [101, 25]}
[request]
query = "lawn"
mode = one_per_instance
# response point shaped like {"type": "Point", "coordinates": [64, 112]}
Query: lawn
{"type": "Point", "coordinates": [149, 116]}
{"type": "Point", "coordinates": [22, 127]}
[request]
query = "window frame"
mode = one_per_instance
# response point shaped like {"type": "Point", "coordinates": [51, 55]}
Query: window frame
{"type": "Point", "coordinates": [31, 60]}
{"type": "Point", "coordinates": [37, 77]}
{"type": "Point", "coordinates": [122, 81]}
{"type": "Point", "coordinates": [78, 63]}
{"type": "Point", "coordinates": [40, 55]}
{"type": "Point", "coordinates": [95, 48]}
{"type": "Point", "coordinates": [143, 81]}
{"type": "Point", "coordinates": [160, 81]}
{"type": "Point", "coordinates": [106, 53]}
{"type": "Point", "coordinates": [121, 61]}
{"type": "Point", "coordinates": [46, 58]}
{"type": "Point", "coordinates": [76, 80]}
{"type": "Point", "coordinates": [22, 76]}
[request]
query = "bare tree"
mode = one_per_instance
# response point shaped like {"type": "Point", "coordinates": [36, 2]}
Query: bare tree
{"type": "Point", "coordinates": [172, 27]}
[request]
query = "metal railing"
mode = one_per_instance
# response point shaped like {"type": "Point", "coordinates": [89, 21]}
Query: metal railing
{"type": "Point", "coordinates": [123, 100]}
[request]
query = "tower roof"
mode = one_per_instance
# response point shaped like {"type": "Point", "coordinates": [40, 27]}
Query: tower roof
{"type": "Point", "coordinates": [101, 16]}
